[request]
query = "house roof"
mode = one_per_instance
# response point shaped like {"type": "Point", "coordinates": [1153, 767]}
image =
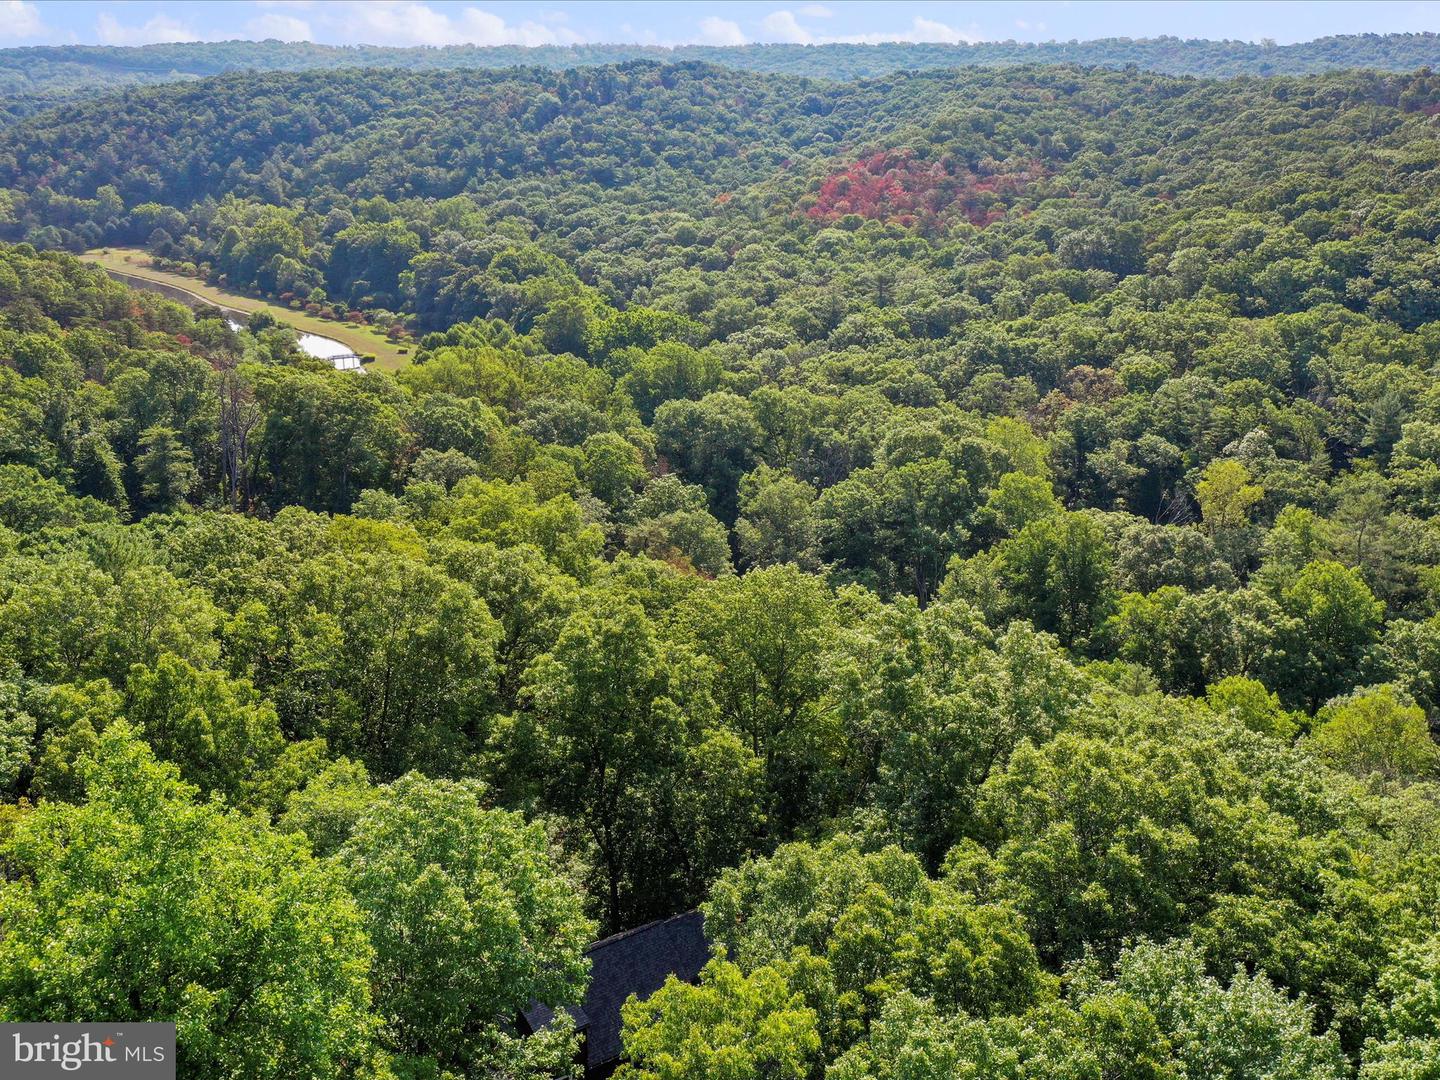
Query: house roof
{"type": "Point", "coordinates": [633, 962]}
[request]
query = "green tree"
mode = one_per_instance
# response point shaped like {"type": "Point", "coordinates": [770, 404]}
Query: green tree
{"type": "Point", "coordinates": [928, 704]}
{"type": "Point", "coordinates": [1107, 837]}
{"type": "Point", "coordinates": [668, 372]}
{"type": "Point", "coordinates": [523, 594]}
{"type": "Point", "coordinates": [389, 660]}
{"type": "Point", "coordinates": [611, 706]}
{"type": "Point", "coordinates": [191, 914]}
{"type": "Point", "coordinates": [217, 730]}
{"type": "Point", "coordinates": [767, 633]}
{"type": "Point", "coordinates": [165, 468]}
{"type": "Point", "coordinates": [713, 442]}
{"type": "Point", "coordinates": [693, 539]}
{"type": "Point", "coordinates": [17, 733]}
{"type": "Point", "coordinates": [614, 469]}
{"type": "Point", "coordinates": [1249, 702]}
{"type": "Point", "coordinates": [731, 1026]}
{"type": "Point", "coordinates": [328, 807]}
{"type": "Point", "coordinates": [470, 919]}
{"type": "Point", "coordinates": [1244, 1031]}
{"type": "Point", "coordinates": [30, 501]}
{"type": "Point", "coordinates": [1337, 620]}
{"type": "Point", "coordinates": [1226, 494]}
{"type": "Point", "coordinates": [1018, 499]}
{"type": "Point", "coordinates": [98, 472]}
{"type": "Point", "coordinates": [877, 925]}
{"type": "Point", "coordinates": [1405, 1014]}
{"type": "Point", "coordinates": [1058, 570]}
{"type": "Point", "coordinates": [65, 620]}
{"type": "Point", "coordinates": [914, 1040]}
{"type": "Point", "coordinates": [777, 520]}
{"type": "Point", "coordinates": [1376, 732]}
{"type": "Point", "coordinates": [896, 527]}
{"type": "Point", "coordinates": [367, 260]}
{"type": "Point", "coordinates": [637, 327]}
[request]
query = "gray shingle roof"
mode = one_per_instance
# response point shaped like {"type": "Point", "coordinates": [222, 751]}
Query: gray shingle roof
{"type": "Point", "coordinates": [633, 962]}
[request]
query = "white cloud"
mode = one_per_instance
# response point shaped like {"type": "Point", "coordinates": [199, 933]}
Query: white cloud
{"type": "Point", "coordinates": [646, 36]}
{"type": "Point", "coordinates": [20, 20]}
{"type": "Point", "coordinates": [922, 29]}
{"type": "Point", "coordinates": [397, 23]}
{"type": "Point", "coordinates": [410, 22]}
{"type": "Point", "coordinates": [280, 27]}
{"type": "Point", "coordinates": [715, 31]}
{"type": "Point", "coordinates": [159, 28]}
{"type": "Point", "coordinates": [815, 11]}
{"type": "Point", "coordinates": [483, 28]}
{"type": "Point", "coordinates": [1026, 24]}
{"type": "Point", "coordinates": [783, 26]}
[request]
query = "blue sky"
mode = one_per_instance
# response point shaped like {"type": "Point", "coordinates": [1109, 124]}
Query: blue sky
{"type": "Point", "coordinates": [449, 22]}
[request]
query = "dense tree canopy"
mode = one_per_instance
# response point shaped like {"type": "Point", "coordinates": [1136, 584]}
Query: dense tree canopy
{"type": "Point", "coordinates": [972, 531]}
{"type": "Point", "coordinates": [33, 78]}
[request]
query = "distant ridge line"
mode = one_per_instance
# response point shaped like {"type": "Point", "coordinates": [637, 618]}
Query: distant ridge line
{"type": "Point", "coordinates": [1167, 55]}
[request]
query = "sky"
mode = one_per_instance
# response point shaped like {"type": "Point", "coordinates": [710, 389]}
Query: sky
{"type": "Point", "coordinates": [564, 22]}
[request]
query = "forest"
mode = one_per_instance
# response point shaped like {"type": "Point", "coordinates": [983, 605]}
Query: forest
{"type": "Point", "coordinates": [32, 78]}
{"type": "Point", "coordinates": [971, 532]}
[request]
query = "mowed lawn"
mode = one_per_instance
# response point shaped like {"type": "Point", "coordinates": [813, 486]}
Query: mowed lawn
{"type": "Point", "coordinates": [362, 340]}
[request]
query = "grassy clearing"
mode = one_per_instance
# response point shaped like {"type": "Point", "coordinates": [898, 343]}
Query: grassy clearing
{"type": "Point", "coordinates": [360, 339]}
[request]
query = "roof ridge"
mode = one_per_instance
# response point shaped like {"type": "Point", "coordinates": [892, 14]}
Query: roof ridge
{"type": "Point", "coordinates": [623, 934]}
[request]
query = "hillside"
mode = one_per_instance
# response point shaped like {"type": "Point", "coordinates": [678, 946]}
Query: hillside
{"type": "Point", "coordinates": [974, 533]}
{"type": "Point", "coordinates": [399, 191]}
{"type": "Point", "coordinates": [32, 77]}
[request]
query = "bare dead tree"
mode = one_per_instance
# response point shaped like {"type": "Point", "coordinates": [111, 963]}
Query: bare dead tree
{"type": "Point", "coordinates": [239, 416]}
{"type": "Point", "coordinates": [1174, 509]}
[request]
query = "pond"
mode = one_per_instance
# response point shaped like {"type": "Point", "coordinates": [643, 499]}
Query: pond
{"type": "Point", "coordinates": [322, 348]}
